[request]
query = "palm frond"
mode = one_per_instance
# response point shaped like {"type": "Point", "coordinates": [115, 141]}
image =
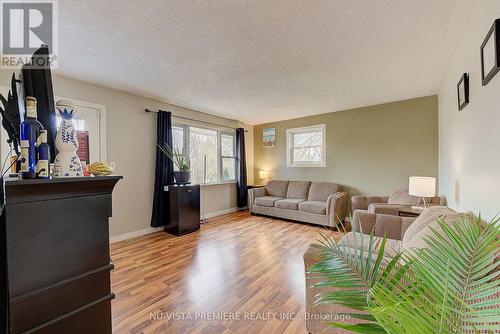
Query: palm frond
{"type": "Point", "coordinates": [449, 286]}
{"type": "Point", "coordinates": [179, 158]}
{"type": "Point", "coordinates": [350, 272]}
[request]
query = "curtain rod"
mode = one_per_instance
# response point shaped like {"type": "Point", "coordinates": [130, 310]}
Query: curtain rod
{"type": "Point", "coordinates": [195, 120]}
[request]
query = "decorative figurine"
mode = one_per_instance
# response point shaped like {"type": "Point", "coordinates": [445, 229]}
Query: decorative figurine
{"type": "Point", "coordinates": [67, 162]}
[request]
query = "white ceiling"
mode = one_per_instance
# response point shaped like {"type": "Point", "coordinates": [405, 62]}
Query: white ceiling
{"type": "Point", "coordinates": [261, 61]}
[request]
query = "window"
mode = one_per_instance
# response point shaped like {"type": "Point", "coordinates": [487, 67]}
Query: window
{"type": "Point", "coordinates": [228, 157]}
{"type": "Point", "coordinates": [306, 147]}
{"type": "Point", "coordinates": [217, 146]}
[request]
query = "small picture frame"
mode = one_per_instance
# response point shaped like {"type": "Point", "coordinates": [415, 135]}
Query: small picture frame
{"type": "Point", "coordinates": [269, 137]}
{"type": "Point", "coordinates": [490, 53]}
{"type": "Point", "coordinates": [463, 91]}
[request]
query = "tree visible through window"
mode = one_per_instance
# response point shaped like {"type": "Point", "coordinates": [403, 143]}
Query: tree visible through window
{"type": "Point", "coordinates": [228, 157]}
{"type": "Point", "coordinates": [203, 142]}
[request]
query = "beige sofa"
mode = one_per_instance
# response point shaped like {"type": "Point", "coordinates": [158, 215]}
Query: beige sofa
{"type": "Point", "coordinates": [321, 203]}
{"type": "Point", "coordinates": [391, 204]}
{"type": "Point", "coordinates": [403, 234]}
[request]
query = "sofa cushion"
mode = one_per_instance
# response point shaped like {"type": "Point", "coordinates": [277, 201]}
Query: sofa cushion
{"type": "Point", "coordinates": [320, 191]}
{"type": "Point", "coordinates": [289, 203]}
{"type": "Point", "coordinates": [267, 200]}
{"type": "Point", "coordinates": [423, 225]}
{"type": "Point", "coordinates": [318, 207]}
{"type": "Point", "coordinates": [277, 188]}
{"type": "Point", "coordinates": [352, 240]}
{"type": "Point", "coordinates": [298, 189]}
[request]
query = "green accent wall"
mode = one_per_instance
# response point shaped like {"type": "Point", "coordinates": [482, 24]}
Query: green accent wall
{"type": "Point", "coordinates": [370, 150]}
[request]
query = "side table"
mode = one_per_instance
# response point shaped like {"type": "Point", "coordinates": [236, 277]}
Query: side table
{"type": "Point", "coordinates": [408, 211]}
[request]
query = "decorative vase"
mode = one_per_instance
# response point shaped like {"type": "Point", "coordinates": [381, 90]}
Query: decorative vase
{"type": "Point", "coordinates": [182, 177]}
{"type": "Point", "coordinates": [67, 162]}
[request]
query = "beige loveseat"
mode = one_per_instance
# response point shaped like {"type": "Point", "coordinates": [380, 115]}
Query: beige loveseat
{"type": "Point", "coordinates": [321, 203]}
{"type": "Point", "coordinates": [402, 233]}
{"type": "Point", "coordinates": [391, 204]}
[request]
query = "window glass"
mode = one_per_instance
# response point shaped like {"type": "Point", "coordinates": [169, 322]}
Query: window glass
{"type": "Point", "coordinates": [203, 142]}
{"type": "Point", "coordinates": [227, 145]}
{"type": "Point", "coordinates": [228, 169]}
{"type": "Point", "coordinates": [178, 138]}
{"type": "Point", "coordinates": [307, 139]}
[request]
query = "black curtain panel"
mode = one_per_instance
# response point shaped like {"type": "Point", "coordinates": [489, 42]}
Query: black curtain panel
{"type": "Point", "coordinates": [163, 171]}
{"type": "Point", "coordinates": [241, 168]}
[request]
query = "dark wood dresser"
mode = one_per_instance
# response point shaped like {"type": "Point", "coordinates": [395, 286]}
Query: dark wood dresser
{"type": "Point", "coordinates": [184, 202]}
{"type": "Point", "coordinates": [55, 262]}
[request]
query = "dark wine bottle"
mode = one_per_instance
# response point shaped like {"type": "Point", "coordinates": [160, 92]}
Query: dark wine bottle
{"type": "Point", "coordinates": [42, 165]}
{"type": "Point", "coordinates": [29, 131]}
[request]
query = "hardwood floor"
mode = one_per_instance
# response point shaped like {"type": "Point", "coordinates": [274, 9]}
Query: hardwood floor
{"type": "Point", "coordinates": [239, 274]}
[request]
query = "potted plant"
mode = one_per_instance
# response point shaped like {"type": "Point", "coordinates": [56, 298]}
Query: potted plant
{"type": "Point", "coordinates": [180, 160]}
{"type": "Point", "coordinates": [451, 286]}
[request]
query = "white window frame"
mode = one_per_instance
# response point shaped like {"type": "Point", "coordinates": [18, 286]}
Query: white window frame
{"type": "Point", "coordinates": [289, 148]}
{"type": "Point", "coordinates": [187, 127]}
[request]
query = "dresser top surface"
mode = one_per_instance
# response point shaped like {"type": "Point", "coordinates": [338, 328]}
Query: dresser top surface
{"type": "Point", "coordinates": [33, 190]}
{"type": "Point", "coordinates": [19, 182]}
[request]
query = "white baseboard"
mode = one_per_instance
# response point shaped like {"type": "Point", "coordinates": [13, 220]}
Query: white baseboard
{"type": "Point", "coordinates": [149, 230]}
{"type": "Point", "coordinates": [222, 212]}
{"type": "Point", "coordinates": [134, 234]}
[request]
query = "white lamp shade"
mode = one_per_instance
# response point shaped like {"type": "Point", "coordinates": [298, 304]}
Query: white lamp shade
{"type": "Point", "coordinates": [422, 186]}
{"type": "Point", "coordinates": [263, 174]}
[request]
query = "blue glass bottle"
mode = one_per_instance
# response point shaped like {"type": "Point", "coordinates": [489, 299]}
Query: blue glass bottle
{"type": "Point", "coordinates": [29, 131]}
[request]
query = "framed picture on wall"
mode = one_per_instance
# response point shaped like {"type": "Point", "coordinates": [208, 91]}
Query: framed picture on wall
{"type": "Point", "coordinates": [269, 137]}
{"type": "Point", "coordinates": [490, 53]}
{"type": "Point", "coordinates": [463, 91]}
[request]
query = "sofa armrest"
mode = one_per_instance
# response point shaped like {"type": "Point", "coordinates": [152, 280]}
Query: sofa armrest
{"type": "Point", "coordinates": [253, 194]}
{"type": "Point", "coordinates": [336, 208]}
{"type": "Point", "coordinates": [362, 202]}
{"type": "Point", "coordinates": [385, 209]}
{"type": "Point", "coordinates": [392, 227]}
{"type": "Point", "coordinates": [405, 223]}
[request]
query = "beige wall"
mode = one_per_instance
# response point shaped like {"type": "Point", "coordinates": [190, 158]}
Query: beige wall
{"type": "Point", "coordinates": [371, 150]}
{"type": "Point", "coordinates": [131, 139]}
{"type": "Point", "coordinates": [469, 140]}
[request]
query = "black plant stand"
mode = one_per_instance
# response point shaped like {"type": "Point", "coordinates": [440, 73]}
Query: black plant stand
{"type": "Point", "coordinates": [184, 202]}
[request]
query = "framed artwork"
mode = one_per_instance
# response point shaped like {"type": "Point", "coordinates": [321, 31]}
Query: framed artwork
{"type": "Point", "coordinates": [463, 91]}
{"type": "Point", "coordinates": [269, 137]}
{"type": "Point", "coordinates": [490, 53]}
